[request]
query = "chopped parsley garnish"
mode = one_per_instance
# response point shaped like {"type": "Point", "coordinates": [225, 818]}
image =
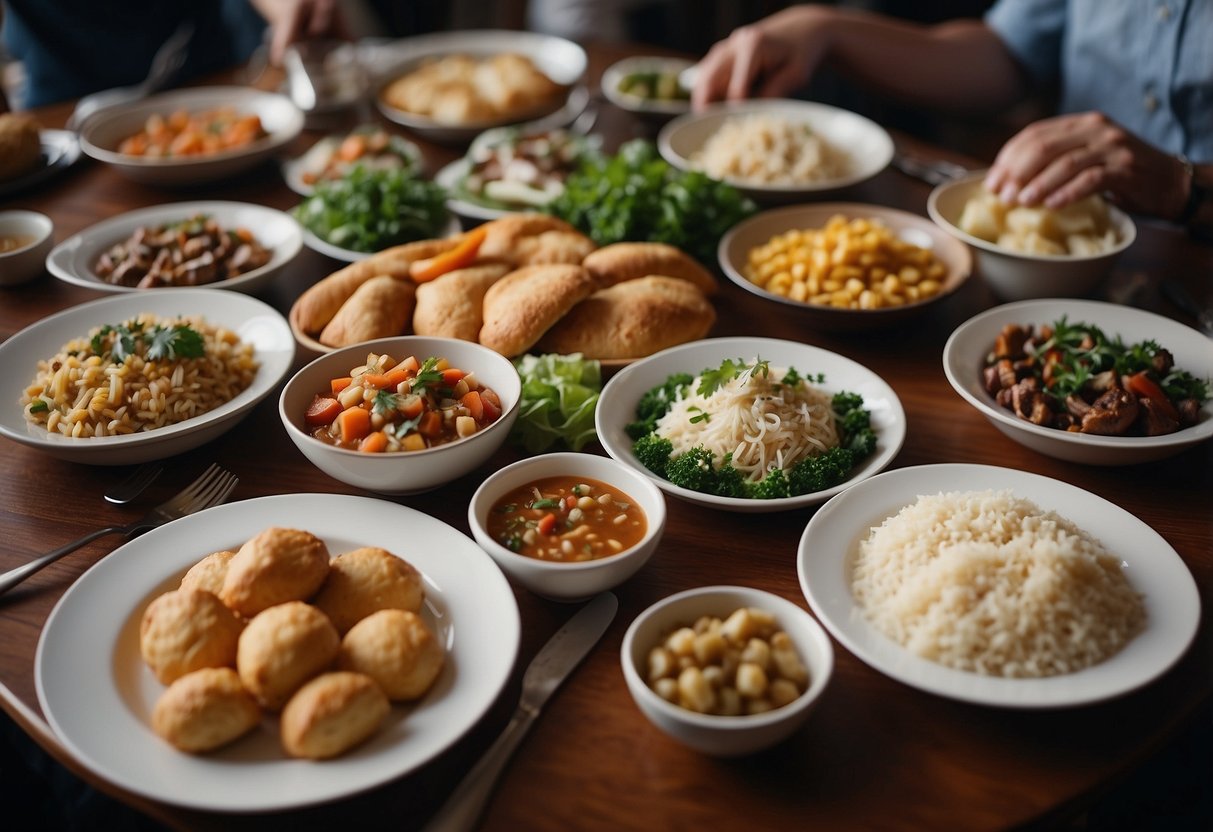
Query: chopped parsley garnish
{"type": "Point", "coordinates": [160, 343]}
{"type": "Point", "coordinates": [385, 401]}
{"type": "Point", "coordinates": [429, 374]}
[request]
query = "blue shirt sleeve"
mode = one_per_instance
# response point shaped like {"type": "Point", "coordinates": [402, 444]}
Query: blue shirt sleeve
{"type": "Point", "coordinates": [1033, 31]}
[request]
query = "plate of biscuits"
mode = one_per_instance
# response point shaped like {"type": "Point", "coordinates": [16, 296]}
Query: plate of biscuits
{"type": "Point", "coordinates": [276, 652]}
{"type": "Point", "coordinates": [518, 284]}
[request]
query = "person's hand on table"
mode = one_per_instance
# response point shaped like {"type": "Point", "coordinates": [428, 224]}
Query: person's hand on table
{"type": "Point", "coordinates": [292, 21]}
{"type": "Point", "coordinates": [767, 59]}
{"type": "Point", "coordinates": [1057, 161]}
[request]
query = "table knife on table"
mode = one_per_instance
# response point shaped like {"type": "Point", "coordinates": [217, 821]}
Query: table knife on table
{"type": "Point", "coordinates": [558, 658]}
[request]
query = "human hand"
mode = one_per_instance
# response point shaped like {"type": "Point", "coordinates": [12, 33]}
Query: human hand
{"type": "Point", "coordinates": [294, 20]}
{"type": "Point", "coordinates": [767, 59]}
{"type": "Point", "coordinates": [1057, 161]}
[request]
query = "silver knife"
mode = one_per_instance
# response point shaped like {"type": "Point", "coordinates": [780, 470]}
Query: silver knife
{"type": "Point", "coordinates": [558, 658]}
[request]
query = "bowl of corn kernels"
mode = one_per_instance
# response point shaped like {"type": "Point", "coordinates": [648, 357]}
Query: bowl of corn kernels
{"type": "Point", "coordinates": [847, 265]}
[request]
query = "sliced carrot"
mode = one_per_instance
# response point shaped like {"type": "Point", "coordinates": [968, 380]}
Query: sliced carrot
{"type": "Point", "coordinates": [1141, 384]}
{"type": "Point", "coordinates": [461, 255]}
{"type": "Point", "coordinates": [339, 384]}
{"type": "Point", "coordinates": [377, 380]}
{"type": "Point", "coordinates": [471, 400]}
{"type": "Point", "coordinates": [374, 443]}
{"type": "Point", "coordinates": [322, 411]}
{"type": "Point", "coordinates": [355, 423]}
{"type": "Point", "coordinates": [352, 148]}
{"type": "Point", "coordinates": [546, 524]}
{"type": "Point", "coordinates": [412, 407]}
{"type": "Point", "coordinates": [394, 377]}
{"type": "Point", "coordinates": [570, 501]}
{"type": "Point", "coordinates": [452, 377]}
{"type": "Point", "coordinates": [430, 424]}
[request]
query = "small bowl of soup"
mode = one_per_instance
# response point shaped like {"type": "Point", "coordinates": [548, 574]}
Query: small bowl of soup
{"type": "Point", "coordinates": [25, 239]}
{"type": "Point", "coordinates": [568, 525]}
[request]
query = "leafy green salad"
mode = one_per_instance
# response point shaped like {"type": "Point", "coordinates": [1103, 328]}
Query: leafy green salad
{"type": "Point", "coordinates": [559, 394]}
{"type": "Point", "coordinates": [702, 469]}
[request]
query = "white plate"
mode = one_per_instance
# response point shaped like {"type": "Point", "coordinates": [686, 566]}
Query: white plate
{"type": "Point", "coordinates": [561, 60]}
{"type": "Point", "coordinates": [830, 543]}
{"type": "Point", "coordinates": [60, 150]}
{"type": "Point", "coordinates": [255, 322]}
{"type": "Point", "coordinates": [102, 132]}
{"type": "Point", "coordinates": [98, 694]}
{"type": "Point", "coordinates": [964, 356]}
{"type": "Point", "coordinates": [867, 144]}
{"type": "Point", "coordinates": [73, 259]}
{"type": "Point", "coordinates": [617, 407]}
{"type": "Point", "coordinates": [294, 169]}
{"type": "Point", "coordinates": [346, 255]}
{"type": "Point", "coordinates": [616, 72]}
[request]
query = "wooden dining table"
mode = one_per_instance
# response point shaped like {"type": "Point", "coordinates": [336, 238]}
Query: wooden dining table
{"type": "Point", "coordinates": [875, 754]}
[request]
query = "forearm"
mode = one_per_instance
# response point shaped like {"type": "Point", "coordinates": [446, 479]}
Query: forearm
{"type": "Point", "coordinates": [1200, 222]}
{"type": "Point", "coordinates": [961, 66]}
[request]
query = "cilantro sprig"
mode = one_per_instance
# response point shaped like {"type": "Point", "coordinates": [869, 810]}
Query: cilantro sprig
{"type": "Point", "coordinates": [160, 343]}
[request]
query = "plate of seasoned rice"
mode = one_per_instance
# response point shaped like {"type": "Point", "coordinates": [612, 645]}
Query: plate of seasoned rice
{"type": "Point", "coordinates": [138, 377]}
{"type": "Point", "coordinates": [997, 587]}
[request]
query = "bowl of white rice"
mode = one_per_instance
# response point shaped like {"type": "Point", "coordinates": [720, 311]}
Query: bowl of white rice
{"type": "Point", "coordinates": [778, 150]}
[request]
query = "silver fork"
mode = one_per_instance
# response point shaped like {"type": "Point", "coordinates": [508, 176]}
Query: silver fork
{"type": "Point", "coordinates": [210, 489]}
{"type": "Point", "coordinates": [166, 63]}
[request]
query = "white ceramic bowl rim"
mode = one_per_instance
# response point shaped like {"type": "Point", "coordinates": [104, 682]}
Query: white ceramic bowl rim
{"type": "Point", "coordinates": [818, 676]}
{"type": "Point", "coordinates": [655, 521]}
{"type": "Point", "coordinates": [27, 219]}
{"type": "Point", "coordinates": [617, 71]}
{"type": "Point", "coordinates": [370, 346]}
{"type": "Point", "coordinates": [1123, 223]}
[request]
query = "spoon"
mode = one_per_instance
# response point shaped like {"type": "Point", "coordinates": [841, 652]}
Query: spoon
{"type": "Point", "coordinates": [133, 486]}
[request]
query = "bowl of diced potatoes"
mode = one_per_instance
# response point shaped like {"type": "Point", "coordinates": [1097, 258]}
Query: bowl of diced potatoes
{"type": "Point", "coordinates": [726, 670]}
{"type": "Point", "coordinates": [845, 265]}
{"type": "Point", "coordinates": [1025, 251]}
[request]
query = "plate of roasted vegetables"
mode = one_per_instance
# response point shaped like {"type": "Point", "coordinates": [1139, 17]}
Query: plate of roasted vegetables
{"type": "Point", "coordinates": [333, 157]}
{"type": "Point", "coordinates": [1085, 381]}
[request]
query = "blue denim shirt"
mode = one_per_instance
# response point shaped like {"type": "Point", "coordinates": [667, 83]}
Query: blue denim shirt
{"type": "Point", "coordinates": [1146, 64]}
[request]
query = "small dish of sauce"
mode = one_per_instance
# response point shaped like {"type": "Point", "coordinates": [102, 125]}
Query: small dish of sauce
{"type": "Point", "coordinates": [567, 519]}
{"type": "Point", "coordinates": [13, 242]}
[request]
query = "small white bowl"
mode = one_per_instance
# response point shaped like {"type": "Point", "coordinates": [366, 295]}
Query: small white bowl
{"type": "Point", "coordinates": [725, 736]}
{"type": "Point", "coordinates": [406, 472]}
{"type": "Point", "coordinates": [1016, 276]}
{"type": "Point", "coordinates": [569, 581]}
{"type": "Point", "coordinates": [867, 146]}
{"type": "Point", "coordinates": [651, 108]}
{"type": "Point", "coordinates": [23, 264]}
{"type": "Point", "coordinates": [964, 356]}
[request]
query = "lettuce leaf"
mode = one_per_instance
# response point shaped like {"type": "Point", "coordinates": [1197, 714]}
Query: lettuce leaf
{"type": "Point", "coordinates": [559, 394]}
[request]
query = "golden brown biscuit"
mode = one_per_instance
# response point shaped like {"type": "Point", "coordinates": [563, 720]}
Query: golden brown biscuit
{"type": "Point", "coordinates": [525, 303]}
{"type": "Point", "coordinates": [452, 306]}
{"type": "Point", "coordinates": [204, 710]}
{"type": "Point", "coordinates": [553, 247]}
{"type": "Point", "coordinates": [379, 308]}
{"type": "Point", "coordinates": [632, 319]}
{"type": "Point", "coordinates": [276, 566]}
{"type": "Point", "coordinates": [627, 261]}
{"type": "Point", "coordinates": [331, 714]}
{"type": "Point", "coordinates": [503, 235]}
{"type": "Point", "coordinates": [20, 145]}
{"type": "Point", "coordinates": [283, 647]}
{"type": "Point", "coordinates": [208, 573]}
{"type": "Point", "coordinates": [185, 630]}
{"type": "Point", "coordinates": [397, 650]}
{"type": "Point", "coordinates": [367, 580]}
{"type": "Point", "coordinates": [317, 306]}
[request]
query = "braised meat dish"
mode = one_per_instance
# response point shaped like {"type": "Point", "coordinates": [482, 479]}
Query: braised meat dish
{"type": "Point", "coordinates": [1074, 377]}
{"type": "Point", "coordinates": [193, 252]}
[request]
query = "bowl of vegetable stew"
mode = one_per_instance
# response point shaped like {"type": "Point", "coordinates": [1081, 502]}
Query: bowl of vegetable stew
{"type": "Point", "coordinates": [568, 525]}
{"type": "Point", "coordinates": [401, 415]}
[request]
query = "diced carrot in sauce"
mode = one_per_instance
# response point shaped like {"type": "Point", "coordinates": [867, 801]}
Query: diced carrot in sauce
{"type": "Point", "coordinates": [471, 400]}
{"type": "Point", "coordinates": [412, 407]}
{"type": "Point", "coordinates": [354, 423]}
{"type": "Point", "coordinates": [322, 411]}
{"type": "Point", "coordinates": [452, 377]}
{"type": "Point", "coordinates": [394, 377]}
{"type": "Point", "coordinates": [430, 424]}
{"type": "Point", "coordinates": [546, 524]}
{"type": "Point", "coordinates": [339, 384]}
{"type": "Point", "coordinates": [374, 443]}
{"type": "Point", "coordinates": [377, 380]}
{"type": "Point", "coordinates": [492, 404]}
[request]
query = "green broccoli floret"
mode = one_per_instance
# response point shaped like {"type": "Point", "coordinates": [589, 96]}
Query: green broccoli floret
{"type": "Point", "coordinates": [773, 485]}
{"type": "Point", "coordinates": [845, 402]}
{"type": "Point", "coordinates": [653, 452]}
{"type": "Point", "coordinates": [817, 473]}
{"type": "Point", "coordinates": [862, 443]}
{"type": "Point", "coordinates": [854, 421]}
{"type": "Point", "coordinates": [654, 404]}
{"type": "Point", "coordinates": [729, 481]}
{"type": "Point", "coordinates": [693, 470]}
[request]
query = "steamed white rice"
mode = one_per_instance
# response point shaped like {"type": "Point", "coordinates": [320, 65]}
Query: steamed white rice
{"type": "Point", "coordinates": [990, 583]}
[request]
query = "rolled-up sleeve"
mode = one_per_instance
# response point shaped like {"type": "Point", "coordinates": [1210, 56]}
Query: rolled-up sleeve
{"type": "Point", "coordinates": [1032, 30]}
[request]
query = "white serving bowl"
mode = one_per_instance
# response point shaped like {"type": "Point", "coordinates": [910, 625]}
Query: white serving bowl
{"type": "Point", "coordinates": [561, 60]}
{"type": "Point", "coordinates": [964, 356]}
{"type": "Point", "coordinates": [405, 472]}
{"type": "Point", "coordinates": [617, 408]}
{"type": "Point", "coordinates": [102, 133]}
{"type": "Point", "coordinates": [73, 260]}
{"type": "Point", "coordinates": [1016, 276]}
{"type": "Point", "coordinates": [867, 144]}
{"type": "Point", "coordinates": [23, 264]}
{"type": "Point", "coordinates": [651, 108]}
{"type": "Point", "coordinates": [569, 581]}
{"type": "Point", "coordinates": [734, 250]}
{"type": "Point", "coordinates": [725, 736]}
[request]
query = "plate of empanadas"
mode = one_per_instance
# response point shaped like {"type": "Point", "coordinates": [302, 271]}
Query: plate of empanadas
{"type": "Point", "coordinates": [519, 283]}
